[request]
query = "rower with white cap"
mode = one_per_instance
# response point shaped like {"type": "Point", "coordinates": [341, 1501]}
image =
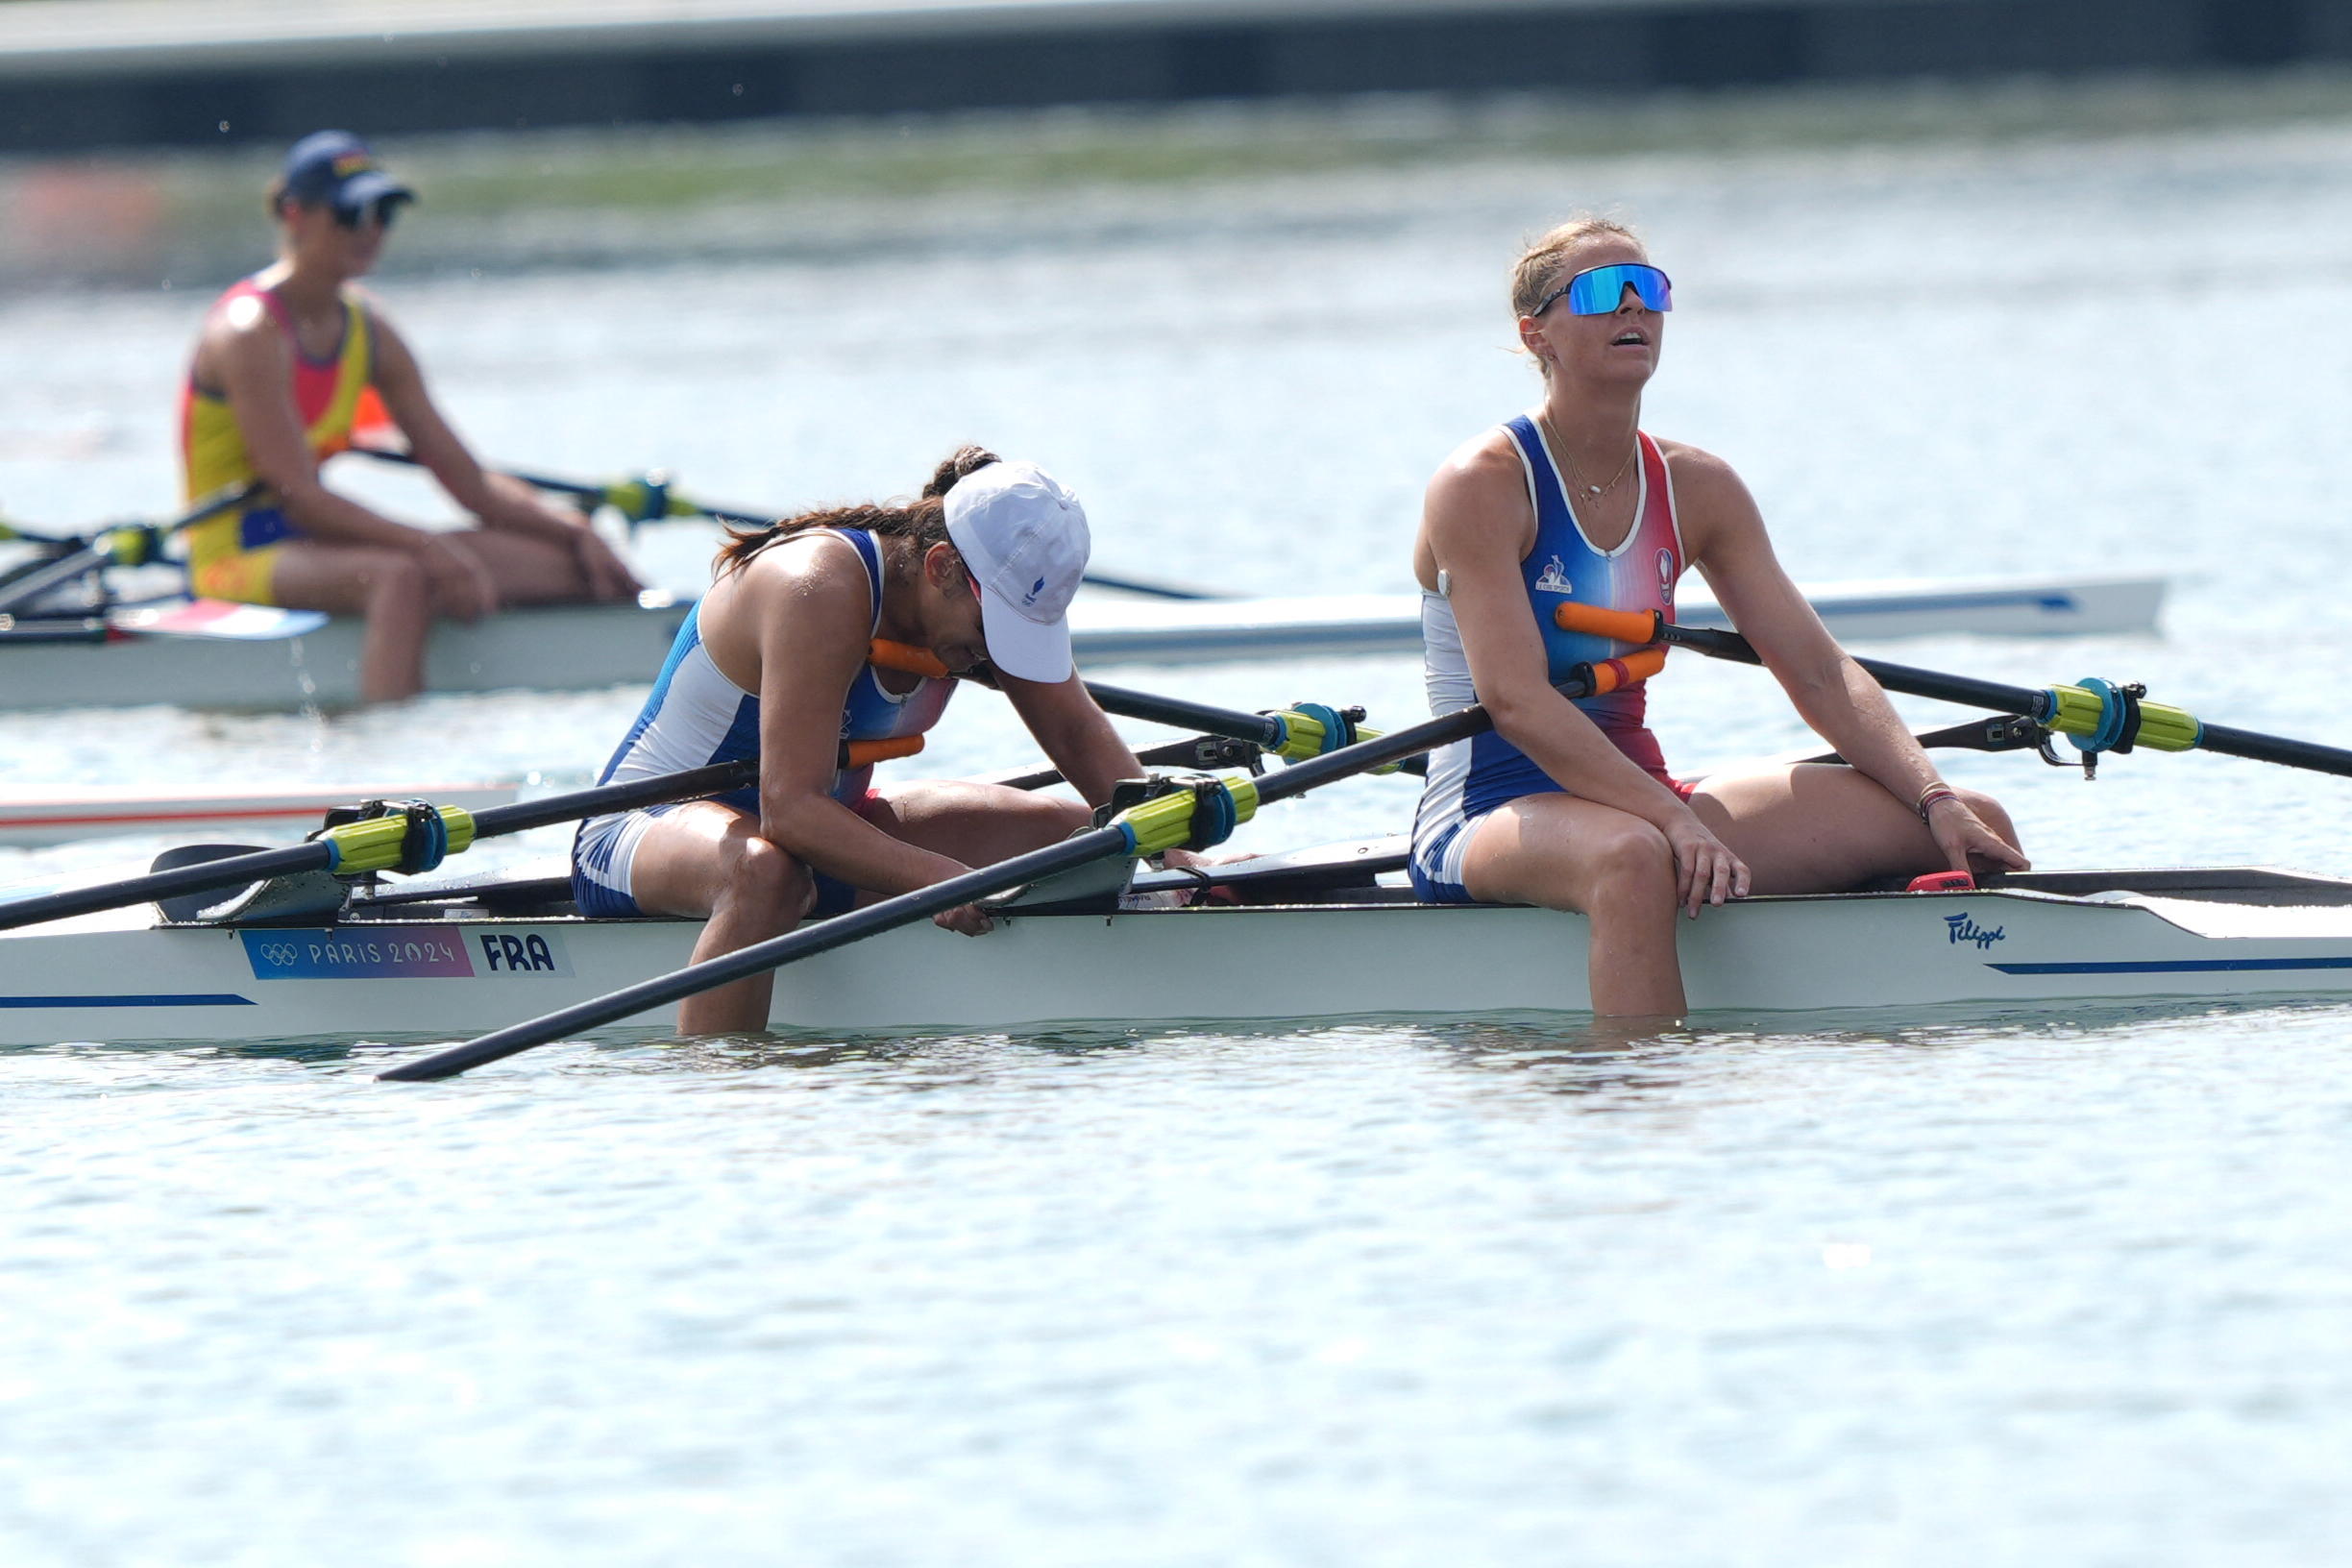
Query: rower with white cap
{"type": "Point", "coordinates": [776, 662]}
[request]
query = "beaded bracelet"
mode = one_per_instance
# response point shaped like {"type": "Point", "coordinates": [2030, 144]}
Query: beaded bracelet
{"type": "Point", "coordinates": [1928, 797]}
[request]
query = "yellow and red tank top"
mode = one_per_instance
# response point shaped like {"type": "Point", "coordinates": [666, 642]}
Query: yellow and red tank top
{"type": "Point", "coordinates": [330, 395]}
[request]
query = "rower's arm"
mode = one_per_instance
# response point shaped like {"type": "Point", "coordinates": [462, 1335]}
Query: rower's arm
{"type": "Point", "coordinates": [1074, 733]}
{"type": "Point", "coordinates": [1724, 534]}
{"type": "Point", "coordinates": [496, 499]}
{"type": "Point", "coordinates": [1477, 525]}
{"type": "Point", "coordinates": [810, 612]}
{"type": "Point", "coordinates": [248, 356]}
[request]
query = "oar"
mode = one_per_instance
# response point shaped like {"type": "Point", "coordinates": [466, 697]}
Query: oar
{"type": "Point", "coordinates": [1163, 822]}
{"type": "Point", "coordinates": [130, 544]}
{"type": "Point", "coordinates": [649, 499]}
{"type": "Point", "coordinates": [34, 536]}
{"type": "Point", "coordinates": [2100, 716]}
{"type": "Point", "coordinates": [1302, 730]}
{"type": "Point", "coordinates": [403, 841]}
{"type": "Point", "coordinates": [644, 498]}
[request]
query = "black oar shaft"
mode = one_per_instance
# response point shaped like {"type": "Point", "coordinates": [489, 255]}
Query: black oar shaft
{"type": "Point", "coordinates": [2221, 739]}
{"type": "Point", "coordinates": [537, 481]}
{"type": "Point", "coordinates": [55, 573]}
{"type": "Point", "coordinates": [95, 554]}
{"type": "Point", "coordinates": [2278, 748]}
{"type": "Point", "coordinates": [605, 799]}
{"type": "Point", "coordinates": [1154, 590]}
{"type": "Point", "coordinates": [1256, 727]}
{"type": "Point", "coordinates": [237, 870]}
{"type": "Point", "coordinates": [874, 919]}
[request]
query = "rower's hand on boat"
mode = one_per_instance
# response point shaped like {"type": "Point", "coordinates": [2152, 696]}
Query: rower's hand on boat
{"type": "Point", "coordinates": [1968, 844]}
{"type": "Point", "coordinates": [609, 577]}
{"type": "Point", "coordinates": [462, 585]}
{"type": "Point", "coordinates": [970, 919]}
{"type": "Point", "coordinates": [1706, 871]}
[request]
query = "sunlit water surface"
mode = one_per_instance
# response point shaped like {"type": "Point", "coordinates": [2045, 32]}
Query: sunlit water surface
{"type": "Point", "coordinates": [1970, 1289]}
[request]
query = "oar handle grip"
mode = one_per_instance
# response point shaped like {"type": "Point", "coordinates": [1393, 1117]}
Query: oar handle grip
{"type": "Point", "coordinates": [866, 754]}
{"type": "Point", "coordinates": [906, 658]}
{"type": "Point", "coordinates": [1615, 674]}
{"type": "Point", "coordinates": [1635, 626]}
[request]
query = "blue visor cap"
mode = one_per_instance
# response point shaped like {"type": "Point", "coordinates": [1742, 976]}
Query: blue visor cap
{"type": "Point", "coordinates": [335, 168]}
{"type": "Point", "coordinates": [1602, 289]}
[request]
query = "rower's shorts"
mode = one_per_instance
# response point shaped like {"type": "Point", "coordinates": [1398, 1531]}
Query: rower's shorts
{"type": "Point", "coordinates": [247, 574]}
{"type": "Point", "coordinates": [1439, 853]}
{"type": "Point", "coordinates": [605, 847]}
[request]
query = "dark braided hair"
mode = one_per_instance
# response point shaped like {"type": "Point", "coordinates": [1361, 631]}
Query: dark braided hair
{"type": "Point", "coordinates": [924, 519]}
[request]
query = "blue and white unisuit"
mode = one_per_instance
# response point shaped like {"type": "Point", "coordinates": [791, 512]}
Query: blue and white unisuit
{"type": "Point", "coordinates": [697, 716]}
{"type": "Point", "coordinates": [1470, 779]}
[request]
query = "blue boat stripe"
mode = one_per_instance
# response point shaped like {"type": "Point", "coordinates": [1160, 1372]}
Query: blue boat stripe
{"type": "Point", "coordinates": [194, 998]}
{"type": "Point", "coordinates": [2191, 965]}
{"type": "Point", "coordinates": [1990, 600]}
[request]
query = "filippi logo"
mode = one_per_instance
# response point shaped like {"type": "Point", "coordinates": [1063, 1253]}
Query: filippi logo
{"type": "Point", "coordinates": [1964, 928]}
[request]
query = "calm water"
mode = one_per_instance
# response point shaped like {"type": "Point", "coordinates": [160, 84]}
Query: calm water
{"type": "Point", "coordinates": [1970, 1289]}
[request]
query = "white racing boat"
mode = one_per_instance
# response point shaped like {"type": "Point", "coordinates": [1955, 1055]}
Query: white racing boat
{"type": "Point", "coordinates": [1201, 631]}
{"type": "Point", "coordinates": [209, 655]}
{"type": "Point", "coordinates": [1322, 933]}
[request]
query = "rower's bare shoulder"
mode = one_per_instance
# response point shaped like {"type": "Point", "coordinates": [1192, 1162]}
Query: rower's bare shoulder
{"type": "Point", "coordinates": [799, 571]}
{"type": "Point", "coordinates": [1700, 475]}
{"type": "Point", "coordinates": [244, 327]}
{"type": "Point", "coordinates": [241, 346]}
{"type": "Point", "coordinates": [1481, 482]}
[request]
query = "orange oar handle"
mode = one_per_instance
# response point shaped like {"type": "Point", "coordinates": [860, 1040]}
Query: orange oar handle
{"type": "Point", "coordinates": [1618, 626]}
{"type": "Point", "coordinates": [866, 754]}
{"type": "Point", "coordinates": [1614, 674]}
{"type": "Point", "coordinates": [901, 657]}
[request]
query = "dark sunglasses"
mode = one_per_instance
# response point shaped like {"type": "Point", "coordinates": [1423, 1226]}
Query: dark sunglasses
{"type": "Point", "coordinates": [380, 212]}
{"type": "Point", "coordinates": [1598, 291]}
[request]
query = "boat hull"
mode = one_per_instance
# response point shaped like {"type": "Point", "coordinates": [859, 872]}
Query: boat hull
{"type": "Point", "coordinates": [584, 646]}
{"type": "Point", "coordinates": [379, 977]}
{"type": "Point", "coordinates": [1212, 630]}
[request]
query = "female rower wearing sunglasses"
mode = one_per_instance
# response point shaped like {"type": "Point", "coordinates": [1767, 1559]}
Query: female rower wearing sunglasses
{"type": "Point", "coordinates": [790, 658]}
{"type": "Point", "coordinates": [290, 363]}
{"type": "Point", "coordinates": [1569, 804]}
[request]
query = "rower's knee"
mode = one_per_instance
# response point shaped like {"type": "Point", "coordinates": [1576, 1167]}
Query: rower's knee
{"type": "Point", "coordinates": [398, 583]}
{"type": "Point", "coordinates": [1632, 866]}
{"type": "Point", "coordinates": [755, 875]}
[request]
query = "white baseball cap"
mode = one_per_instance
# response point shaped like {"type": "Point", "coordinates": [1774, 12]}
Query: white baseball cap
{"type": "Point", "coordinates": [1024, 536]}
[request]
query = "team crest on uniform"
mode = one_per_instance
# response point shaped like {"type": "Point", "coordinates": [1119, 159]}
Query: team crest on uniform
{"type": "Point", "coordinates": [1555, 579]}
{"type": "Point", "coordinates": [1666, 574]}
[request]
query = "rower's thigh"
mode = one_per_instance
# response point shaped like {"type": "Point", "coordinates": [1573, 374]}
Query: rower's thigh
{"type": "Point", "coordinates": [1815, 827]}
{"type": "Point", "coordinates": [973, 822]}
{"type": "Point", "coordinates": [692, 857]}
{"type": "Point", "coordinates": [527, 570]}
{"type": "Point", "coordinates": [341, 580]}
{"type": "Point", "coordinates": [1563, 852]}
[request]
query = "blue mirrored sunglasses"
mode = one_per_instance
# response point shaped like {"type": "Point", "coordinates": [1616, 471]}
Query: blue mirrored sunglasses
{"type": "Point", "coordinates": [1598, 291]}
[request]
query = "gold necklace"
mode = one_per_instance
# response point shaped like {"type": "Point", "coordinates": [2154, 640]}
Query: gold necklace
{"type": "Point", "coordinates": [1592, 491]}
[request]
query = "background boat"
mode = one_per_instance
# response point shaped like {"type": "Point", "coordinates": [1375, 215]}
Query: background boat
{"type": "Point", "coordinates": [259, 658]}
